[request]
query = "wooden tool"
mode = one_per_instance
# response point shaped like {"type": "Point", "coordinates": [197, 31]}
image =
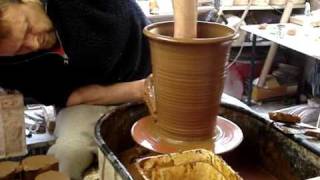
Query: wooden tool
{"type": "Point", "coordinates": [284, 117]}
{"type": "Point", "coordinates": [274, 47]}
{"type": "Point", "coordinates": [185, 18]}
{"type": "Point", "coordinates": [313, 133]}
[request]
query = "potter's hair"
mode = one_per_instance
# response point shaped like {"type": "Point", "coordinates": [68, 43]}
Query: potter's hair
{"type": "Point", "coordinates": [4, 3]}
{"type": "Point", "coordinates": [4, 29]}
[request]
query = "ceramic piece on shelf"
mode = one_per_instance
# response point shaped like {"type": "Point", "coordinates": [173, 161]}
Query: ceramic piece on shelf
{"type": "Point", "coordinates": [278, 2]}
{"type": "Point", "coordinates": [261, 2]}
{"type": "Point", "coordinates": [227, 2]}
{"type": "Point", "coordinates": [299, 2]}
{"type": "Point", "coordinates": [240, 2]}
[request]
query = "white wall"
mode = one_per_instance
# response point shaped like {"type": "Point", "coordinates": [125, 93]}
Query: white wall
{"type": "Point", "coordinates": [315, 4]}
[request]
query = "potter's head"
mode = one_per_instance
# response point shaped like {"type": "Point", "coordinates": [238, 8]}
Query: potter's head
{"type": "Point", "coordinates": [24, 28]}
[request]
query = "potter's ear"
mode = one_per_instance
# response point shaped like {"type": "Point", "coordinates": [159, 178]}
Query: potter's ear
{"type": "Point", "coordinates": [4, 28]}
{"type": "Point", "coordinates": [1, 13]}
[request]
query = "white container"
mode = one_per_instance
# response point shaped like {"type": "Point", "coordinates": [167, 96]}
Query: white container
{"type": "Point", "coordinates": [227, 2]}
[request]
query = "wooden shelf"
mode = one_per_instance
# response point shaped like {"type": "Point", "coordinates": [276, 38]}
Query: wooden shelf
{"type": "Point", "coordinates": [166, 13]}
{"type": "Point", "coordinates": [249, 44]}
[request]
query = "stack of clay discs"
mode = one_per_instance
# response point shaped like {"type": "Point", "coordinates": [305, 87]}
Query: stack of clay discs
{"type": "Point", "coordinates": [52, 175]}
{"type": "Point", "coordinates": [35, 165]}
{"type": "Point", "coordinates": [9, 170]}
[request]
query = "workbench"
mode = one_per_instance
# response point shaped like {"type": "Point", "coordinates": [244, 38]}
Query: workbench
{"type": "Point", "coordinates": [305, 40]}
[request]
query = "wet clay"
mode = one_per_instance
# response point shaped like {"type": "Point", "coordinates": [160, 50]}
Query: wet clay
{"type": "Point", "coordinates": [188, 77]}
{"type": "Point", "coordinates": [35, 165]}
{"type": "Point", "coordinates": [52, 175]}
{"type": "Point", "coordinates": [8, 170]}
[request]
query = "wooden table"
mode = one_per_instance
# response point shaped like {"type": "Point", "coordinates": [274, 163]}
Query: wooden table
{"type": "Point", "coordinates": [305, 41]}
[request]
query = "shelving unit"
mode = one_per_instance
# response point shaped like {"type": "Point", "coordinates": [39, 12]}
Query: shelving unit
{"type": "Point", "coordinates": [299, 42]}
{"type": "Point", "coordinates": [269, 7]}
{"type": "Point", "coordinates": [166, 14]}
{"type": "Point", "coordinates": [232, 9]}
{"type": "Point", "coordinates": [167, 11]}
{"type": "Point", "coordinates": [249, 44]}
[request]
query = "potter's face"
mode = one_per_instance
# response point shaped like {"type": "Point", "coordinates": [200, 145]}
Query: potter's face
{"type": "Point", "coordinates": [28, 29]}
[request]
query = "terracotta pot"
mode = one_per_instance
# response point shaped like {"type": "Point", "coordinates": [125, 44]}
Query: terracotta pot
{"type": "Point", "coordinates": [185, 90]}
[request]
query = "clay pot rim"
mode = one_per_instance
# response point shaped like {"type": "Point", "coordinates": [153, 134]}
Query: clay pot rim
{"type": "Point", "coordinates": [159, 37]}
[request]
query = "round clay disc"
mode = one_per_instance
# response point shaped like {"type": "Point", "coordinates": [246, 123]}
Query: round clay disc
{"type": "Point", "coordinates": [7, 168]}
{"type": "Point", "coordinates": [52, 175]}
{"type": "Point", "coordinates": [33, 163]}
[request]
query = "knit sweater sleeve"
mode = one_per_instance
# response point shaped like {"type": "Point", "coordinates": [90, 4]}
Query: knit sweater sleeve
{"type": "Point", "coordinates": [98, 35]}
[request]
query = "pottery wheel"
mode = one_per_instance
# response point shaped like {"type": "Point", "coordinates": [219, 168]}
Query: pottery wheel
{"type": "Point", "coordinates": [227, 137]}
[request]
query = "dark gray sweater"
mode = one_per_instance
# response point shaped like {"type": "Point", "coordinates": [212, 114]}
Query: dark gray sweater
{"type": "Point", "coordinates": [102, 38]}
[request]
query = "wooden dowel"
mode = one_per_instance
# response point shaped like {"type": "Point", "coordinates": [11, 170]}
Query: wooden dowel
{"type": "Point", "coordinates": [185, 18]}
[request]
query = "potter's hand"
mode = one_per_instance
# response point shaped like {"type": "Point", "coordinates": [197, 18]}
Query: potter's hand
{"type": "Point", "coordinates": [111, 94]}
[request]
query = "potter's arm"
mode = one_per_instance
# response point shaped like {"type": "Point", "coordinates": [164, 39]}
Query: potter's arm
{"type": "Point", "coordinates": [108, 94]}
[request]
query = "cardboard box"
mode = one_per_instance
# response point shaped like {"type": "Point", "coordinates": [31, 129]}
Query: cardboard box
{"type": "Point", "coordinates": [272, 88]}
{"type": "Point", "coordinates": [262, 93]}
